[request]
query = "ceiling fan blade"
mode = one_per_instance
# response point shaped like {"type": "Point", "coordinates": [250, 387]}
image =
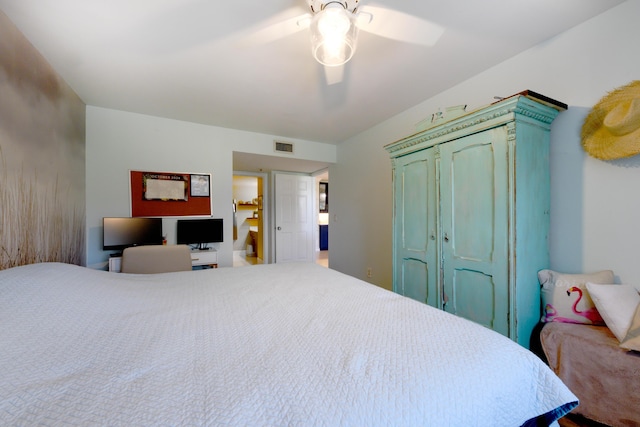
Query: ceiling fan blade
{"type": "Point", "coordinates": [333, 75]}
{"type": "Point", "coordinates": [278, 27]}
{"type": "Point", "coordinates": [399, 26]}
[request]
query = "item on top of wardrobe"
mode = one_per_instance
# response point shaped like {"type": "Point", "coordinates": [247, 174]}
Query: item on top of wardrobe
{"type": "Point", "coordinates": [549, 102]}
{"type": "Point", "coordinates": [612, 129]}
{"type": "Point", "coordinates": [440, 116]}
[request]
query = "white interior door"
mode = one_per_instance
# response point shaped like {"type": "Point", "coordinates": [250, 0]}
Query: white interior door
{"type": "Point", "coordinates": [294, 218]}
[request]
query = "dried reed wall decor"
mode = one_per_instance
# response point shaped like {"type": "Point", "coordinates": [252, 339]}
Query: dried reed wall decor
{"type": "Point", "coordinates": [42, 158]}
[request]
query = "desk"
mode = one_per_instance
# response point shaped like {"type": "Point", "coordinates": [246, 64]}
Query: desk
{"type": "Point", "coordinates": [207, 258]}
{"type": "Point", "coordinates": [115, 264]}
{"type": "Point", "coordinates": [198, 258]}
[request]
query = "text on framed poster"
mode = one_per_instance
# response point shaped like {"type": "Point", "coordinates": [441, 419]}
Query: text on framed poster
{"type": "Point", "coordinates": [165, 186]}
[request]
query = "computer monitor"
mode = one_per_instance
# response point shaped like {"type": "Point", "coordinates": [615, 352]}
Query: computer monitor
{"type": "Point", "coordinates": [121, 233]}
{"type": "Point", "coordinates": [200, 231]}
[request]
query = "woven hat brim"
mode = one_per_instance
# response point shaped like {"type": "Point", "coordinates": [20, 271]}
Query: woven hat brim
{"type": "Point", "coordinates": [597, 140]}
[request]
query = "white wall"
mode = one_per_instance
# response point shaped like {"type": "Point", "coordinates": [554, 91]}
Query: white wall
{"type": "Point", "coordinates": [117, 142]}
{"type": "Point", "coordinates": [594, 204]}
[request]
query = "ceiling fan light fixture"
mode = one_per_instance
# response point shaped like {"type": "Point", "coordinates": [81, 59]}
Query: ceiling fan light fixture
{"type": "Point", "coordinates": [333, 35]}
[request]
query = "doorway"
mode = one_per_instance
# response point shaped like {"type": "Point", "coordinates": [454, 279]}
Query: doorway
{"type": "Point", "coordinates": [248, 220]}
{"type": "Point", "coordinates": [322, 183]}
{"type": "Point", "coordinates": [250, 164]}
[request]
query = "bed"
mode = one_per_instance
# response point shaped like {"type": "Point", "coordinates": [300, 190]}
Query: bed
{"type": "Point", "coordinates": [278, 345]}
{"type": "Point", "coordinates": [603, 375]}
{"type": "Point", "coordinates": [590, 336]}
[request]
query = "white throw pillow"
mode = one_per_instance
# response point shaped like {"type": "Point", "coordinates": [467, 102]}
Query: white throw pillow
{"type": "Point", "coordinates": [565, 297]}
{"type": "Point", "coordinates": [632, 339]}
{"type": "Point", "coordinates": [616, 304]}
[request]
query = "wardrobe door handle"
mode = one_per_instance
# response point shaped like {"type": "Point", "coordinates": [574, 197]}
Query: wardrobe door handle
{"type": "Point", "coordinates": [446, 237]}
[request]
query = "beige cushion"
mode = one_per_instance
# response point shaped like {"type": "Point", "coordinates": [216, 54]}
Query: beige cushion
{"type": "Point", "coordinates": [631, 340]}
{"type": "Point", "coordinates": [156, 259]}
{"type": "Point", "coordinates": [565, 297]}
{"type": "Point", "coordinates": [616, 304]}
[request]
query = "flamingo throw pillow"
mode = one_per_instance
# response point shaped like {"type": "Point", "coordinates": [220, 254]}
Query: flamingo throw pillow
{"type": "Point", "coordinates": [565, 297]}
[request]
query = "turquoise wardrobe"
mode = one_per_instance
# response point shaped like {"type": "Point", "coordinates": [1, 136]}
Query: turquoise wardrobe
{"type": "Point", "coordinates": [471, 213]}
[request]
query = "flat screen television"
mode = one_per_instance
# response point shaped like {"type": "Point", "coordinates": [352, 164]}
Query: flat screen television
{"type": "Point", "coordinates": [121, 233]}
{"type": "Point", "coordinates": [199, 232]}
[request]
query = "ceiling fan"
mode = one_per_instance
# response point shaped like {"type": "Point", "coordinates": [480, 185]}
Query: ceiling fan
{"type": "Point", "coordinates": [334, 27]}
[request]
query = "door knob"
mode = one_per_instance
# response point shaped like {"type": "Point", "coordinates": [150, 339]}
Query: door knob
{"type": "Point", "coordinates": [278, 228]}
{"type": "Point", "coordinates": [446, 237]}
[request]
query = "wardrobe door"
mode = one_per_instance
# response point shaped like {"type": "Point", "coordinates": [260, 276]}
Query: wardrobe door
{"type": "Point", "coordinates": [474, 212]}
{"type": "Point", "coordinates": [415, 267]}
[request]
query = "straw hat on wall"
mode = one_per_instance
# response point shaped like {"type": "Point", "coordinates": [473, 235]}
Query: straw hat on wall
{"type": "Point", "coordinates": [612, 128]}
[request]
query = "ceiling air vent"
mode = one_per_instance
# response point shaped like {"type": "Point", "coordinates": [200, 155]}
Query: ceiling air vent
{"type": "Point", "coordinates": [283, 147]}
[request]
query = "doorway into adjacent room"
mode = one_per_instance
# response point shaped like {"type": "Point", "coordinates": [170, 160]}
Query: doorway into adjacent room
{"type": "Point", "coordinates": [322, 181]}
{"type": "Point", "coordinates": [248, 223]}
{"type": "Point", "coordinates": [267, 167]}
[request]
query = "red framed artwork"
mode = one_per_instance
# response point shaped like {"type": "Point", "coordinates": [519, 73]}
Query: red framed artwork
{"type": "Point", "coordinates": [169, 194]}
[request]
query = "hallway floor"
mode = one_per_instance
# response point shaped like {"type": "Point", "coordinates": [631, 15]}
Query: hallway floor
{"type": "Point", "coordinates": [240, 259]}
{"type": "Point", "coordinates": [323, 258]}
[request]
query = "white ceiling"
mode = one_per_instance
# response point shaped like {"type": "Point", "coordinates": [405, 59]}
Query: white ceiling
{"type": "Point", "coordinates": [199, 60]}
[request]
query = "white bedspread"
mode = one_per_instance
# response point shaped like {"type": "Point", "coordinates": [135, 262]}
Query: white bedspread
{"type": "Point", "coordinates": [277, 345]}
